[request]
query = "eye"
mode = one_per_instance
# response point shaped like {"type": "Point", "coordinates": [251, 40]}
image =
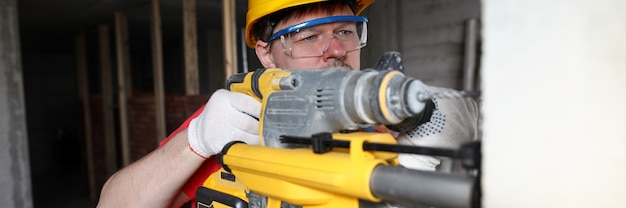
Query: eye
{"type": "Point", "coordinates": [306, 38]}
{"type": "Point", "coordinates": [345, 32]}
{"type": "Point", "coordinates": [309, 38]}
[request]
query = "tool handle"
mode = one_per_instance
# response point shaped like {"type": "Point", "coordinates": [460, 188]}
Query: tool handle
{"type": "Point", "coordinates": [247, 83]}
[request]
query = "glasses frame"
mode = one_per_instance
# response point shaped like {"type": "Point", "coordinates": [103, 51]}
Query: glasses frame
{"type": "Point", "coordinates": [315, 22]}
{"type": "Point", "coordinates": [320, 21]}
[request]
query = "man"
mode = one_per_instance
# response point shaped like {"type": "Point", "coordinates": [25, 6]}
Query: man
{"type": "Point", "coordinates": [288, 34]}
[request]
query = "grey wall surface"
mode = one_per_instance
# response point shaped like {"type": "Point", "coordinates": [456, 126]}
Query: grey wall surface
{"type": "Point", "coordinates": [428, 33]}
{"type": "Point", "coordinates": [15, 183]}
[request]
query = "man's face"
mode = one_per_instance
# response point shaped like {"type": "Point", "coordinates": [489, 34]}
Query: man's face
{"type": "Point", "coordinates": [335, 55]}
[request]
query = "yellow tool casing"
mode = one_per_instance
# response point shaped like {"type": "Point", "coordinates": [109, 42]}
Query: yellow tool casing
{"type": "Point", "coordinates": [257, 83]}
{"type": "Point", "coordinates": [300, 177]}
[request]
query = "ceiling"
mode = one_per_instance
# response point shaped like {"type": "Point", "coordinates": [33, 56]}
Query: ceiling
{"type": "Point", "coordinates": [64, 18]}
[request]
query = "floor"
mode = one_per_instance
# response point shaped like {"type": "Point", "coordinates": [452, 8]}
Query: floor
{"type": "Point", "coordinates": [58, 175]}
{"type": "Point", "coordinates": [64, 187]}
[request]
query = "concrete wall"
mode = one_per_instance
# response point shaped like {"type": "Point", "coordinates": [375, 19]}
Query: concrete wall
{"type": "Point", "coordinates": [428, 33]}
{"type": "Point", "coordinates": [15, 183]}
{"type": "Point", "coordinates": [554, 96]}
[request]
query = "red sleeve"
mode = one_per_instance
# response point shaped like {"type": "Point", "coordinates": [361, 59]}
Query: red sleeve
{"type": "Point", "coordinates": [198, 178]}
{"type": "Point", "coordinates": [207, 168]}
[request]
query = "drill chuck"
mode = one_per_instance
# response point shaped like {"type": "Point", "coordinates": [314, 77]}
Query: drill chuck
{"type": "Point", "coordinates": [392, 97]}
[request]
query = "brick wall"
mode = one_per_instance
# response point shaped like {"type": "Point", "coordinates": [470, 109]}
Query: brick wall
{"type": "Point", "coordinates": [142, 126]}
{"type": "Point", "coordinates": [142, 119]}
{"type": "Point", "coordinates": [98, 150]}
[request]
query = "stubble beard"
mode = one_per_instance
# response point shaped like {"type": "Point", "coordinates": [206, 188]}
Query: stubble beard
{"type": "Point", "coordinates": [337, 63]}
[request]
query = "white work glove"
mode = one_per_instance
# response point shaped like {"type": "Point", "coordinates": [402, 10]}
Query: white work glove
{"type": "Point", "coordinates": [227, 116]}
{"type": "Point", "coordinates": [454, 122]}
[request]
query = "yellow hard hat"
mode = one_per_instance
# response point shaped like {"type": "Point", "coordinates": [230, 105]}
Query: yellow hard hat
{"type": "Point", "coordinates": [260, 8]}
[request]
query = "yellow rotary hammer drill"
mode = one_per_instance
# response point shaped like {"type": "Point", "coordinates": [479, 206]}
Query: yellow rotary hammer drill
{"type": "Point", "coordinates": [312, 156]}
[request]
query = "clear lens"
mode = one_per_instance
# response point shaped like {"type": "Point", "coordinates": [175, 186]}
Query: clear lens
{"type": "Point", "coordinates": [314, 41]}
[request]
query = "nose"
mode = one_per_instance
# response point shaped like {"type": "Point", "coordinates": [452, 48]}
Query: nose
{"type": "Point", "coordinates": [334, 50]}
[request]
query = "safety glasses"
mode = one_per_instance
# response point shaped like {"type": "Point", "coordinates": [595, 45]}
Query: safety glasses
{"type": "Point", "coordinates": [312, 38]}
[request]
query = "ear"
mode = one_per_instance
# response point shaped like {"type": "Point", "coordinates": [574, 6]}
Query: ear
{"type": "Point", "coordinates": [264, 54]}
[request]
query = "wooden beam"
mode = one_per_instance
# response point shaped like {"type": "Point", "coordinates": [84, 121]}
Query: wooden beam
{"type": "Point", "coordinates": [230, 40]}
{"type": "Point", "coordinates": [122, 87]}
{"type": "Point", "coordinates": [107, 100]}
{"type": "Point", "coordinates": [127, 68]}
{"type": "Point", "coordinates": [157, 66]}
{"type": "Point", "coordinates": [191, 47]}
{"type": "Point", "coordinates": [83, 94]}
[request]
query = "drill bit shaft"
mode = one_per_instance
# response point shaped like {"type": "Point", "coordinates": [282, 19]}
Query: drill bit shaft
{"type": "Point", "coordinates": [422, 97]}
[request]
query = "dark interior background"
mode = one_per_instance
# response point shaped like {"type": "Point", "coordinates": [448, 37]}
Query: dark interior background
{"type": "Point", "coordinates": [47, 37]}
{"type": "Point", "coordinates": [431, 35]}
